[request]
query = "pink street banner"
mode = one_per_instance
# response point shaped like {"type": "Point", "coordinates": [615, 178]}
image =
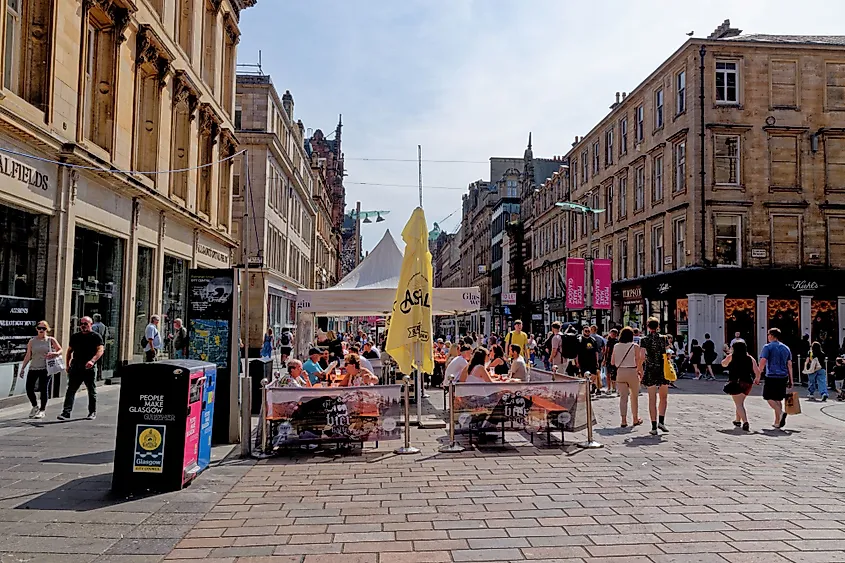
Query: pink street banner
{"type": "Point", "coordinates": [575, 273]}
{"type": "Point", "coordinates": [601, 283]}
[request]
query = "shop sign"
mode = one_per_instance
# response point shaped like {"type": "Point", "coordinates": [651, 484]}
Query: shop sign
{"type": "Point", "coordinates": [18, 317]}
{"type": "Point", "coordinates": [759, 253]}
{"type": "Point", "coordinates": [663, 288]}
{"type": "Point", "coordinates": [509, 299]}
{"type": "Point", "coordinates": [21, 172]}
{"type": "Point", "coordinates": [537, 317]}
{"type": "Point", "coordinates": [473, 298]}
{"type": "Point", "coordinates": [803, 285]}
{"type": "Point", "coordinates": [215, 255]}
{"type": "Point", "coordinates": [632, 294]}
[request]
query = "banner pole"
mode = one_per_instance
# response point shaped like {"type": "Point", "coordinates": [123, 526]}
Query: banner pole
{"type": "Point", "coordinates": [407, 448]}
{"type": "Point", "coordinates": [452, 447]}
{"type": "Point", "coordinates": [590, 443]}
{"type": "Point", "coordinates": [246, 416]}
{"type": "Point", "coordinates": [263, 414]}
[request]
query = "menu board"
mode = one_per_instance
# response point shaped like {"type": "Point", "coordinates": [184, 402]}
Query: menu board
{"type": "Point", "coordinates": [18, 317]}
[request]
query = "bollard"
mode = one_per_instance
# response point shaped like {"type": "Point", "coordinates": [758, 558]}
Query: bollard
{"type": "Point", "coordinates": [590, 443]}
{"type": "Point", "coordinates": [407, 448]}
{"type": "Point", "coordinates": [263, 415]}
{"type": "Point", "coordinates": [452, 447]}
{"type": "Point", "coordinates": [246, 416]}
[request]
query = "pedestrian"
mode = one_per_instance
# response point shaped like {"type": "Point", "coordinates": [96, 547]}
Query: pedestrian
{"type": "Point", "coordinates": [516, 336]}
{"type": "Point", "coordinates": [710, 355]}
{"type": "Point", "coordinates": [609, 368]}
{"type": "Point", "coordinates": [671, 351]}
{"type": "Point", "coordinates": [601, 342]}
{"type": "Point", "coordinates": [815, 372]}
{"type": "Point", "coordinates": [498, 363]}
{"type": "Point", "coordinates": [569, 349]}
{"type": "Point", "coordinates": [152, 339]}
{"type": "Point", "coordinates": [475, 371]}
{"type": "Point", "coordinates": [39, 349]}
{"type": "Point", "coordinates": [839, 378]}
{"type": "Point", "coordinates": [296, 375]}
{"type": "Point", "coordinates": [555, 347]}
{"type": "Point", "coordinates": [356, 375]}
{"type": "Point", "coordinates": [285, 344]}
{"type": "Point", "coordinates": [103, 331]}
{"type": "Point", "coordinates": [776, 362]}
{"type": "Point", "coordinates": [737, 336]}
{"type": "Point", "coordinates": [696, 358]}
{"type": "Point", "coordinates": [637, 335]}
{"type": "Point", "coordinates": [626, 361]}
{"type": "Point", "coordinates": [180, 340]}
{"type": "Point", "coordinates": [267, 345]}
{"type": "Point", "coordinates": [742, 372]}
{"type": "Point", "coordinates": [518, 369]}
{"type": "Point", "coordinates": [532, 349]}
{"type": "Point", "coordinates": [587, 359]}
{"type": "Point", "coordinates": [680, 354]}
{"type": "Point", "coordinates": [458, 363]}
{"type": "Point", "coordinates": [652, 349]}
{"type": "Point", "coordinates": [84, 349]}
{"type": "Point", "coordinates": [312, 366]}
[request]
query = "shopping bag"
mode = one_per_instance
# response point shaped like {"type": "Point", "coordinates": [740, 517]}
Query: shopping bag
{"type": "Point", "coordinates": [669, 373]}
{"type": "Point", "coordinates": [55, 365]}
{"type": "Point", "coordinates": [793, 406]}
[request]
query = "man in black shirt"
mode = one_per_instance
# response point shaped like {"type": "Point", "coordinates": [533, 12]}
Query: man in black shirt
{"type": "Point", "coordinates": [569, 349]}
{"type": "Point", "coordinates": [83, 351]}
{"type": "Point", "coordinates": [588, 358]}
{"type": "Point", "coordinates": [612, 340]}
{"type": "Point", "coordinates": [369, 353]}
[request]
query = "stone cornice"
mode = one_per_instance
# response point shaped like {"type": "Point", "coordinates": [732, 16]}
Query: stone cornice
{"type": "Point", "coordinates": [151, 50]}
{"type": "Point", "coordinates": [185, 91]}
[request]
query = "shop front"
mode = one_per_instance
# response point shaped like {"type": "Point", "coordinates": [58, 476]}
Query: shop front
{"type": "Point", "coordinates": [174, 295]}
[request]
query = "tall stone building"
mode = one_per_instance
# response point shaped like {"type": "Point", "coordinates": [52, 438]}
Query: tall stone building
{"type": "Point", "coordinates": [329, 155]}
{"type": "Point", "coordinates": [125, 91]}
{"type": "Point", "coordinates": [723, 179]}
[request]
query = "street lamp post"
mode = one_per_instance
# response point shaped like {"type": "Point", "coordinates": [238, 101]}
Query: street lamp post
{"type": "Point", "coordinates": [363, 217]}
{"type": "Point", "coordinates": [586, 212]}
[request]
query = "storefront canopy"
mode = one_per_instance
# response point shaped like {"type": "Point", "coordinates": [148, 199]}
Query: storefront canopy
{"type": "Point", "coordinates": [370, 288]}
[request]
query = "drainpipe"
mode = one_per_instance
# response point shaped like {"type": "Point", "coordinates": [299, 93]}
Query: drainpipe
{"type": "Point", "coordinates": [701, 52]}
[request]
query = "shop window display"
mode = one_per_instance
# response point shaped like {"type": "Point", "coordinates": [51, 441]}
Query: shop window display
{"type": "Point", "coordinates": [143, 297]}
{"type": "Point", "coordinates": [739, 317]}
{"type": "Point", "coordinates": [174, 296]}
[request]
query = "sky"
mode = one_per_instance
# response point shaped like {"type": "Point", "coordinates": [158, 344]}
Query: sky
{"type": "Point", "coordinates": [469, 79]}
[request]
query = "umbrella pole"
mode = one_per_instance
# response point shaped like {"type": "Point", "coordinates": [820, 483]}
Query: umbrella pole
{"type": "Point", "coordinates": [420, 380]}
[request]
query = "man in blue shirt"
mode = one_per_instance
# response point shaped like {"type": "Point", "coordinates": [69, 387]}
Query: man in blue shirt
{"type": "Point", "coordinates": [776, 361]}
{"type": "Point", "coordinates": [312, 366]}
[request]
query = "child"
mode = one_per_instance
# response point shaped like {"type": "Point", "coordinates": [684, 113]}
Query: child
{"type": "Point", "coordinates": [839, 376]}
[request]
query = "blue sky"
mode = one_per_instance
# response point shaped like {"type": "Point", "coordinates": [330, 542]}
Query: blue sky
{"type": "Point", "coordinates": [468, 79]}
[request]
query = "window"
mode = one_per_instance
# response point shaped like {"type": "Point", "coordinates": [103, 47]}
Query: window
{"type": "Point", "coordinates": [583, 221]}
{"type": "Point", "coordinates": [585, 164]}
{"type": "Point", "coordinates": [623, 259]}
{"type": "Point", "coordinates": [511, 189]}
{"type": "Point", "coordinates": [727, 80]}
{"type": "Point", "coordinates": [608, 251]}
{"type": "Point", "coordinates": [834, 154]}
{"type": "Point", "coordinates": [681, 92]}
{"type": "Point", "coordinates": [679, 233]}
{"type": "Point", "coordinates": [728, 243]}
{"type": "Point", "coordinates": [657, 179]}
{"type": "Point", "coordinates": [623, 136]}
{"type": "Point", "coordinates": [574, 174]}
{"type": "Point", "coordinates": [726, 160]}
{"type": "Point", "coordinates": [835, 89]}
{"type": "Point", "coordinates": [573, 227]}
{"type": "Point", "coordinates": [595, 205]}
{"type": "Point", "coordinates": [658, 109]}
{"type": "Point", "coordinates": [622, 203]}
{"type": "Point", "coordinates": [185, 26]}
{"type": "Point", "coordinates": [207, 138]}
{"type": "Point", "coordinates": [657, 249]}
{"type": "Point", "coordinates": [783, 162]}
{"type": "Point", "coordinates": [184, 108]}
{"type": "Point", "coordinates": [639, 254]}
{"type": "Point", "coordinates": [596, 158]}
{"type": "Point", "coordinates": [227, 149]}
{"type": "Point", "coordinates": [12, 45]}
{"type": "Point", "coordinates": [27, 50]}
{"type": "Point", "coordinates": [786, 240]}
{"type": "Point", "coordinates": [230, 39]}
{"type": "Point", "coordinates": [680, 176]}
{"type": "Point", "coordinates": [640, 114]}
{"type": "Point", "coordinates": [158, 7]}
{"type": "Point", "coordinates": [99, 75]}
{"type": "Point", "coordinates": [209, 45]}
{"type": "Point", "coordinates": [784, 81]}
{"type": "Point", "coordinates": [608, 203]}
{"type": "Point", "coordinates": [608, 147]}
{"type": "Point", "coordinates": [148, 109]}
{"type": "Point", "coordinates": [836, 241]}
{"type": "Point", "coordinates": [639, 188]}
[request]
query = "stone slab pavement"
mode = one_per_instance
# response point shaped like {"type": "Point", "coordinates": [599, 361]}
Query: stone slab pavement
{"type": "Point", "coordinates": [55, 504]}
{"type": "Point", "coordinates": [705, 492]}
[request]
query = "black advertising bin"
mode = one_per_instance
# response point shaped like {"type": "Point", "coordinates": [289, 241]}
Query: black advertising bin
{"type": "Point", "coordinates": [158, 426]}
{"type": "Point", "coordinates": [259, 368]}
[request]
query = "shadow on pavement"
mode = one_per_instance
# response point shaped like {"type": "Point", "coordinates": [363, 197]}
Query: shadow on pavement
{"type": "Point", "coordinates": [81, 495]}
{"type": "Point", "coordinates": [93, 458]}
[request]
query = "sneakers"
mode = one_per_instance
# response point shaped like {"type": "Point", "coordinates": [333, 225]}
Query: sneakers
{"type": "Point", "coordinates": [653, 431]}
{"type": "Point", "coordinates": [63, 416]}
{"type": "Point", "coordinates": [737, 423]}
{"type": "Point", "coordinates": [91, 416]}
{"type": "Point", "coordinates": [662, 427]}
{"type": "Point", "coordinates": [33, 411]}
{"type": "Point", "coordinates": [824, 398]}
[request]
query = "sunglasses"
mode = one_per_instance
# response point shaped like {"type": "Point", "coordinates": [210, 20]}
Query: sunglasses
{"type": "Point", "coordinates": [41, 328]}
{"type": "Point", "coordinates": [84, 324]}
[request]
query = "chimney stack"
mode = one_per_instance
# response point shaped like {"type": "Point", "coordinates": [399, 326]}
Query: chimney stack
{"type": "Point", "coordinates": [615, 104]}
{"type": "Point", "coordinates": [624, 95]}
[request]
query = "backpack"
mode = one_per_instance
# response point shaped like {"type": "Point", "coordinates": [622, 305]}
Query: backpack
{"type": "Point", "coordinates": [547, 345]}
{"type": "Point", "coordinates": [143, 342]}
{"type": "Point", "coordinates": [285, 339]}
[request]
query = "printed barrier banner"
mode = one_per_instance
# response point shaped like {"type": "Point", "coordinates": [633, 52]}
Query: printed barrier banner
{"type": "Point", "coordinates": [308, 414]}
{"type": "Point", "coordinates": [535, 407]}
{"type": "Point", "coordinates": [575, 276]}
{"type": "Point", "coordinates": [601, 283]}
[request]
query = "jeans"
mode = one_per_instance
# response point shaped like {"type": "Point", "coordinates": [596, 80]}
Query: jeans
{"type": "Point", "coordinates": [42, 379]}
{"type": "Point", "coordinates": [150, 355]}
{"type": "Point", "coordinates": [179, 355]}
{"type": "Point", "coordinates": [818, 382]}
{"type": "Point", "coordinates": [75, 379]}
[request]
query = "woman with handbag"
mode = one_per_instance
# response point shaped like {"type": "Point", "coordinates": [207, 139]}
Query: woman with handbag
{"type": "Point", "coordinates": [815, 372]}
{"type": "Point", "coordinates": [742, 371]}
{"type": "Point", "coordinates": [625, 359]}
{"type": "Point", "coordinates": [40, 350]}
{"type": "Point", "coordinates": [653, 357]}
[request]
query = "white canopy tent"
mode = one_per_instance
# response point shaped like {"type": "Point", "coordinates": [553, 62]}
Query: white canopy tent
{"type": "Point", "coordinates": [370, 288]}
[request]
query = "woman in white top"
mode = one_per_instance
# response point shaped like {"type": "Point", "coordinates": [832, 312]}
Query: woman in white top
{"type": "Point", "coordinates": [476, 372]}
{"type": "Point", "coordinates": [629, 373]}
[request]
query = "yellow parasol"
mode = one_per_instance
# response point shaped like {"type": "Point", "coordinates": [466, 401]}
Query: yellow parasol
{"type": "Point", "coordinates": [409, 337]}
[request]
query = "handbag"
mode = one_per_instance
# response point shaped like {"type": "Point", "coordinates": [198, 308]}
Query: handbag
{"type": "Point", "coordinates": [669, 373]}
{"type": "Point", "coordinates": [55, 365]}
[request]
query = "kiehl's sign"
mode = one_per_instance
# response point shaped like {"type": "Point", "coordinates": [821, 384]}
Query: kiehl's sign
{"type": "Point", "coordinates": [21, 172]}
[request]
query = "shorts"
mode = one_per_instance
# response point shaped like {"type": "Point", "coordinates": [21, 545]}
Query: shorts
{"type": "Point", "coordinates": [775, 388]}
{"type": "Point", "coordinates": [612, 371]}
{"type": "Point", "coordinates": [839, 383]}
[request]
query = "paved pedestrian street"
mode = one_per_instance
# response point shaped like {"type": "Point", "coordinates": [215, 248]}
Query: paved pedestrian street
{"type": "Point", "coordinates": [705, 492]}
